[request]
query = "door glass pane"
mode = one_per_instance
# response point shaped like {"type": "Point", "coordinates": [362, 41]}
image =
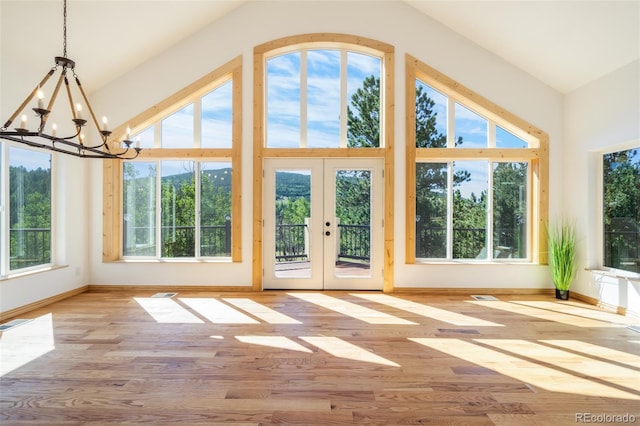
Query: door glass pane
{"type": "Point", "coordinates": [215, 209]}
{"type": "Point", "coordinates": [470, 209]}
{"type": "Point", "coordinates": [178, 208]}
{"type": "Point", "coordinates": [431, 210]}
{"type": "Point", "coordinates": [509, 210]}
{"type": "Point", "coordinates": [353, 223]}
{"type": "Point", "coordinates": [29, 208]}
{"type": "Point", "coordinates": [139, 209]}
{"type": "Point", "coordinates": [292, 214]}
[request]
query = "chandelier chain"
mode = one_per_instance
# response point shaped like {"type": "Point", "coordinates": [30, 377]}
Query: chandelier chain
{"type": "Point", "coordinates": [64, 30]}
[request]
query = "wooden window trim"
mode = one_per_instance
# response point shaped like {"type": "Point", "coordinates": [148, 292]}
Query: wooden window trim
{"type": "Point", "coordinates": [112, 169]}
{"type": "Point", "coordinates": [537, 155]}
{"type": "Point", "coordinates": [324, 40]}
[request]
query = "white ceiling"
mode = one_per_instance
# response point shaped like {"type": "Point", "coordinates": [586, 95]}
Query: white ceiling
{"type": "Point", "coordinates": [565, 44]}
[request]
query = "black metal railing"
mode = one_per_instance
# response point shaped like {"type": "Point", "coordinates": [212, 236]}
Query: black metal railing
{"type": "Point", "coordinates": [468, 243]}
{"type": "Point", "coordinates": [179, 241]}
{"type": "Point", "coordinates": [622, 250]}
{"type": "Point", "coordinates": [29, 247]}
{"type": "Point", "coordinates": [355, 242]}
{"type": "Point", "coordinates": [291, 242]}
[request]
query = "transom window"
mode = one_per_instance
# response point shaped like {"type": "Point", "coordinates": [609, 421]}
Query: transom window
{"type": "Point", "coordinates": [475, 175]}
{"type": "Point", "coordinates": [323, 98]}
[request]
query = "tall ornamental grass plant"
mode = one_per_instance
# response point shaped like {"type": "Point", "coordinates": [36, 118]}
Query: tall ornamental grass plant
{"type": "Point", "coordinates": [562, 251]}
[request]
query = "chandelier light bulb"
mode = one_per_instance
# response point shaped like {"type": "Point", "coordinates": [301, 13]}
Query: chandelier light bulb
{"type": "Point", "coordinates": [40, 99]}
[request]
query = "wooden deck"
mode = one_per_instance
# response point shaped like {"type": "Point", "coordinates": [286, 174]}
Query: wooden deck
{"type": "Point", "coordinates": [303, 269]}
{"type": "Point", "coordinates": [318, 358]}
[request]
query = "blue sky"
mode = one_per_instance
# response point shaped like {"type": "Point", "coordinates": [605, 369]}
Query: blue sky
{"type": "Point", "coordinates": [177, 129]}
{"type": "Point", "coordinates": [323, 95]}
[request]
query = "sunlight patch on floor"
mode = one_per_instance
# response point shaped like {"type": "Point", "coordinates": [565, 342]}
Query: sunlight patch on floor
{"type": "Point", "coordinates": [24, 343]}
{"type": "Point", "coordinates": [598, 351]}
{"type": "Point", "coordinates": [426, 310]}
{"type": "Point", "coordinates": [261, 311]}
{"type": "Point", "coordinates": [280, 342]}
{"type": "Point", "coordinates": [545, 314]}
{"type": "Point", "coordinates": [167, 311]}
{"type": "Point", "coordinates": [580, 311]}
{"type": "Point", "coordinates": [563, 360]}
{"type": "Point", "coordinates": [353, 310]}
{"type": "Point", "coordinates": [217, 312]}
{"type": "Point", "coordinates": [342, 349]}
{"type": "Point", "coordinates": [521, 369]}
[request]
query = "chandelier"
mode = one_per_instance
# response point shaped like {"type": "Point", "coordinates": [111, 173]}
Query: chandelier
{"type": "Point", "coordinates": [46, 136]}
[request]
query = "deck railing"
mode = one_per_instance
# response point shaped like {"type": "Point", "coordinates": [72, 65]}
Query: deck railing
{"type": "Point", "coordinates": [29, 247]}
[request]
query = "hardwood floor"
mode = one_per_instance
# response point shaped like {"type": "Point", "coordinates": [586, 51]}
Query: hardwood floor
{"type": "Point", "coordinates": [319, 358]}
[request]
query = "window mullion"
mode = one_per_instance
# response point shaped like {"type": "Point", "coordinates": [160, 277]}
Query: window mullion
{"type": "Point", "coordinates": [158, 227]}
{"type": "Point", "coordinates": [450, 210]}
{"type": "Point", "coordinates": [343, 99]}
{"type": "Point", "coordinates": [451, 123]}
{"type": "Point", "coordinates": [197, 123]}
{"type": "Point", "coordinates": [303, 98]}
{"type": "Point", "coordinates": [196, 224]}
{"type": "Point", "coordinates": [489, 211]}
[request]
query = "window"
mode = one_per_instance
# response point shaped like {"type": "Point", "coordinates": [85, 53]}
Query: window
{"type": "Point", "coordinates": [621, 209]}
{"type": "Point", "coordinates": [323, 95]}
{"type": "Point", "coordinates": [181, 197]}
{"type": "Point", "coordinates": [26, 234]}
{"type": "Point", "coordinates": [323, 98]}
{"type": "Point", "coordinates": [190, 193]}
{"type": "Point", "coordinates": [476, 174]}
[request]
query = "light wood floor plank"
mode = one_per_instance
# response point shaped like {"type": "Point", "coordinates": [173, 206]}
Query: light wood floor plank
{"type": "Point", "coordinates": [317, 358]}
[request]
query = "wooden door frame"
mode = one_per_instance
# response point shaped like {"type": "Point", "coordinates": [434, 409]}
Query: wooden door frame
{"type": "Point", "coordinates": [260, 152]}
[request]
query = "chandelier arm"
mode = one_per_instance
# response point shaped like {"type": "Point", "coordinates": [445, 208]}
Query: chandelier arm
{"type": "Point", "coordinates": [54, 95]}
{"type": "Point", "coordinates": [70, 98]}
{"type": "Point", "coordinates": [86, 101]}
{"type": "Point", "coordinates": [28, 99]}
{"type": "Point", "coordinates": [82, 150]}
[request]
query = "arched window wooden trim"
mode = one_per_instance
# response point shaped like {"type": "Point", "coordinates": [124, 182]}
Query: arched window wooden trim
{"type": "Point", "coordinates": [324, 40]}
{"type": "Point", "coordinates": [112, 169]}
{"type": "Point", "coordinates": [537, 154]}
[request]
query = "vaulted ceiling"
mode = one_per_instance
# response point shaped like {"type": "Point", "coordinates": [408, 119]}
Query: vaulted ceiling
{"type": "Point", "coordinates": [564, 44]}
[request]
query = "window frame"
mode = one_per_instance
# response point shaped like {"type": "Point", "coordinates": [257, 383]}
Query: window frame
{"type": "Point", "coordinates": [5, 249]}
{"type": "Point", "coordinates": [537, 156]}
{"type": "Point", "coordinates": [385, 151]}
{"type": "Point", "coordinates": [599, 240]}
{"type": "Point", "coordinates": [113, 169]}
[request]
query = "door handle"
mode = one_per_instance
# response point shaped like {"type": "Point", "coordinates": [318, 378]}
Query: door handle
{"type": "Point", "coordinates": [327, 233]}
{"type": "Point", "coordinates": [327, 223]}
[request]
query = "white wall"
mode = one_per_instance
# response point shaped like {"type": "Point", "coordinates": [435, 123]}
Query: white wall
{"type": "Point", "coordinates": [252, 24]}
{"type": "Point", "coordinates": [72, 237]}
{"type": "Point", "coordinates": [600, 117]}
{"type": "Point", "coordinates": [417, 34]}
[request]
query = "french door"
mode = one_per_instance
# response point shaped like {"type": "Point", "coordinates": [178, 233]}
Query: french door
{"type": "Point", "coordinates": [323, 224]}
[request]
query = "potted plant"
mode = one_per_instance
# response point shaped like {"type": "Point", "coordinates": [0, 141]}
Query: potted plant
{"type": "Point", "coordinates": [562, 251]}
